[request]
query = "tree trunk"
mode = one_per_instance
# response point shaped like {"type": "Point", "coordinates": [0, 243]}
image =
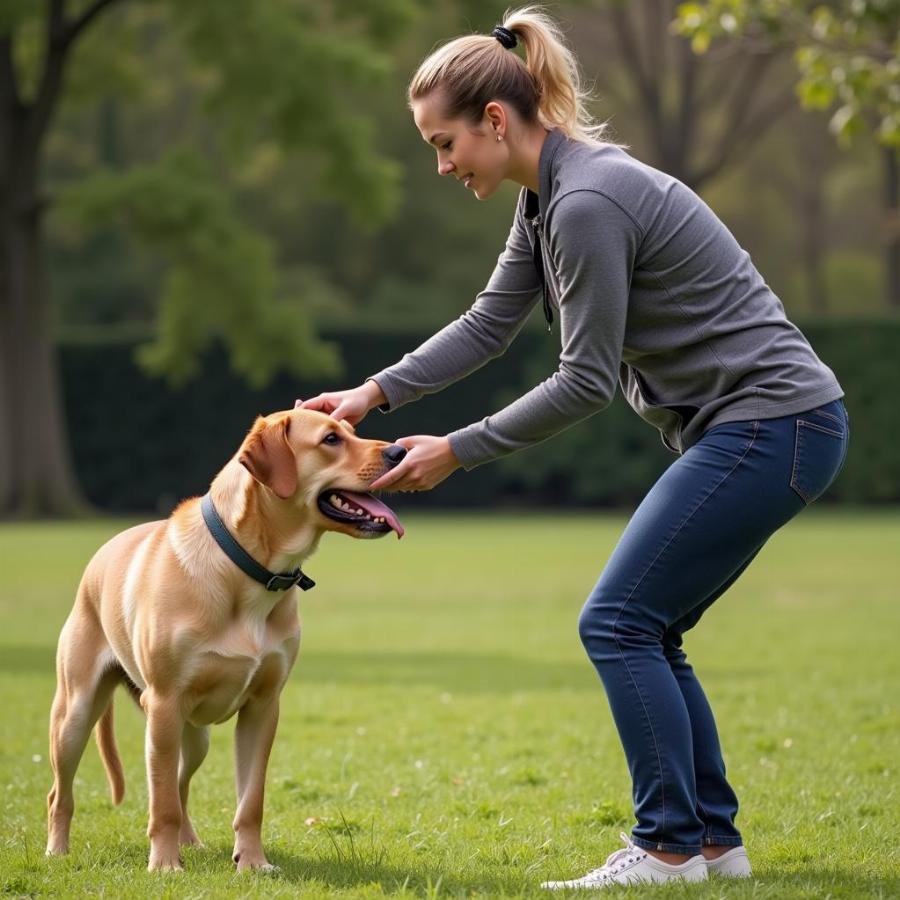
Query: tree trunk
{"type": "Point", "coordinates": [36, 474]}
{"type": "Point", "coordinates": [892, 227]}
{"type": "Point", "coordinates": [807, 182]}
{"type": "Point", "coordinates": [813, 244]}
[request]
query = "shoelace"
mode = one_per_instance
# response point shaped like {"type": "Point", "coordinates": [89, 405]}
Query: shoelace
{"type": "Point", "coordinates": [617, 861]}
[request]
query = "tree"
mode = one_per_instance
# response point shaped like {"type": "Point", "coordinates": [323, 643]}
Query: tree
{"type": "Point", "coordinates": [294, 72]}
{"type": "Point", "coordinates": [699, 114]}
{"type": "Point", "coordinates": [848, 56]}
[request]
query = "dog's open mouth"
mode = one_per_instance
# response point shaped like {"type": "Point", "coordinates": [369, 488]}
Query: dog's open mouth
{"type": "Point", "coordinates": [364, 511]}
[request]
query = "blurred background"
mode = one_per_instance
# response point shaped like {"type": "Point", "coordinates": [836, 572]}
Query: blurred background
{"type": "Point", "coordinates": [208, 209]}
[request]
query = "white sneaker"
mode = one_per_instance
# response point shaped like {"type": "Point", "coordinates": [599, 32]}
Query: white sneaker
{"type": "Point", "coordinates": [634, 865]}
{"type": "Point", "coordinates": [733, 864]}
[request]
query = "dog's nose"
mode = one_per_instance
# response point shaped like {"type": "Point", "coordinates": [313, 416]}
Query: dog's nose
{"type": "Point", "coordinates": [393, 454]}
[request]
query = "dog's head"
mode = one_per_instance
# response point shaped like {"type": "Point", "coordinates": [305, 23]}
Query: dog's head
{"type": "Point", "coordinates": [319, 465]}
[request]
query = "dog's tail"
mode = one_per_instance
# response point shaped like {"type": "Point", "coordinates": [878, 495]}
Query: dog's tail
{"type": "Point", "coordinates": [109, 753]}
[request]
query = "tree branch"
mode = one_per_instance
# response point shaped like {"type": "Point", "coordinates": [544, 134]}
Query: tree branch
{"type": "Point", "coordinates": [655, 29]}
{"type": "Point", "coordinates": [78, 25]}
{"type": "Point", "coordinates": [753, 129]}
{"type": "Point", "coordinates": [58, 41]}
{"type": "Point", "coordinates": [9, 84]}
{"type": "Point", "coordinates": [738, 107]}
{"type": "Point", "coordinates": [51, 80]}
{"type": "Point", "coordinates": [688, 106]}
{"type": "Point", "coordinates": [632, 56]}
{"type": "Point", "coordinates": [648, 87]}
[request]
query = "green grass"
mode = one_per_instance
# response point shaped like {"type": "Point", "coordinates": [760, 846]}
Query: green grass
{"type": "Point", "coordinates": [443, 733]}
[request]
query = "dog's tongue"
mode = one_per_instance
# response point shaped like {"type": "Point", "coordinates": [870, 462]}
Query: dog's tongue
{"type": "Point", "coordinates": [374, 507]}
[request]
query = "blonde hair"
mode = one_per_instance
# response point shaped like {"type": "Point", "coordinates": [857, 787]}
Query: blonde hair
{"type": "Point", "coordinates": [471, 71]}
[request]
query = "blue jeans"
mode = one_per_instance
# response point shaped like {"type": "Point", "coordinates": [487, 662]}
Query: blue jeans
{"type": "Point", "coordinates": [690, 539]}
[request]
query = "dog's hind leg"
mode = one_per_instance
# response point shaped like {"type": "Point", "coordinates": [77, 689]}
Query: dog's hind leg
{"type": "Point", "coordinates": [194, 747]}
{"type": "Point", "coordinates": [85, 683]}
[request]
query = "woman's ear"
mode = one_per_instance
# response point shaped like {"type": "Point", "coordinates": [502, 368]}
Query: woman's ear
{"type": "Point", "coordinates": [495, 114]}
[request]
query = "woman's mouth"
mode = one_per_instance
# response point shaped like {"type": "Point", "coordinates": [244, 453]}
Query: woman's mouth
{"type": "Point", "coordinates": [467, 181]}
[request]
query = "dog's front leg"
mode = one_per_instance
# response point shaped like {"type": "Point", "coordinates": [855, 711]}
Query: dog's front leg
{"type": "Point", "coordinates": [253, 737]}
{"type": "Point", "coordinates": [163, 747]}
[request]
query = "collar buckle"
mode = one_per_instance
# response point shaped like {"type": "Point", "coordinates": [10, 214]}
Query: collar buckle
{"type": "Point", "coordinates": [285, 580]}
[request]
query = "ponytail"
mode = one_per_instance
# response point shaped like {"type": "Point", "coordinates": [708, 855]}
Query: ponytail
{"type": "Point", "coordinates": [546, 88]}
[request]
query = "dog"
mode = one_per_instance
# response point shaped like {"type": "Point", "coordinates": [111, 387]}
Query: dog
{"type": "Point", "coordinates": [174, 612]}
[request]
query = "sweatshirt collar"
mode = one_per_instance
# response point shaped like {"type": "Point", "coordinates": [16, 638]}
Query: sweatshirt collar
{"type": "Point", "coordinates": [539, 203]}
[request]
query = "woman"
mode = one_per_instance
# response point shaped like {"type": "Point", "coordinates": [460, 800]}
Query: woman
{"type": "Point", "coordinates": [652, 291]}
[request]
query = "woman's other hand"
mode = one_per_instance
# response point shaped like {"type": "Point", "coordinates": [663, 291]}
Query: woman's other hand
{"type": "Point", "coordinates": [351, 405]}
{"type": "Point", "coordinates": [428, 462]}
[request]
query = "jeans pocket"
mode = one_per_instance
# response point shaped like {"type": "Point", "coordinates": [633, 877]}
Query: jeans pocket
{"type": "Point", "coordinates": [820, 447]}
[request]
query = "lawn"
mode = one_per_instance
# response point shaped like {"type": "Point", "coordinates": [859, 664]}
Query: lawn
{"type": "Point", "coordinates": [443, 733]}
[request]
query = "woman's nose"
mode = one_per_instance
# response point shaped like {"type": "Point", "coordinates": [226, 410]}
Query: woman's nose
{"type": "Point", "coordinates": [446, 167]}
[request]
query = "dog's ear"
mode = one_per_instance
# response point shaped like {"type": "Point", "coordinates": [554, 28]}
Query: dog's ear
{"type": "Point", "coordinates": [268, 456]}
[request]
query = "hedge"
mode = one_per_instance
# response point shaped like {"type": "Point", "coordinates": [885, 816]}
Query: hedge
{"type": "Point", "coordinates": [140, 446]}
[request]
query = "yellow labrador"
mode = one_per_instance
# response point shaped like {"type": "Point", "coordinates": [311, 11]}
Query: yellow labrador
{"type": "Point", "coordinates": [198, 632]}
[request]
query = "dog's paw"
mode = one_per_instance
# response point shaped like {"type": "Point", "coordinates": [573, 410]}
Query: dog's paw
{"type": "Point", "coordinates": [165, 864]}
{"type": "Point", "coordinates": [255, 862]}
{"type": "Point", "coordinates": [190, 840]}
{"type": "Point", "coordinates": [266, 869]}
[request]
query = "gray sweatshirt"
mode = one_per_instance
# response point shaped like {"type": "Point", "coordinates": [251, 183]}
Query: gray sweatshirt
{"type": "Point", "coordinates": [651, 291]}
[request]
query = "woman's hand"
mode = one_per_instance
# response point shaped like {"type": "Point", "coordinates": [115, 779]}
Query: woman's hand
{"type": "Point", "coordinates": [351, 405]}
{"type": "Point", "coordinates": [428, 462]}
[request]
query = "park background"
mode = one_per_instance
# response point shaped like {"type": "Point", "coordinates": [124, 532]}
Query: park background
{"type": "Point", "coordinates": [208, 209]}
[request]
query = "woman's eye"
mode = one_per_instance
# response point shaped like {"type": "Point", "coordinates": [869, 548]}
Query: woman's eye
{"type": "Point", "coordinates": [447, 145]}
{"type": "Point", "coordinates": [331, 439]}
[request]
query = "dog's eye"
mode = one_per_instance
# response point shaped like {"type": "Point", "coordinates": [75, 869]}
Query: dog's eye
{"type": "Point", "coordinates": [332, 439]}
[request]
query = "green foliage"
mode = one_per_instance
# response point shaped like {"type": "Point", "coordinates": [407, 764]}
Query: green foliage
{"type": "Point", "coordinates": [232, 77]}
{"type": "Point", "coordinates": [300, 74]}
{"type": "Point", "coordinates": [221, 281]}
{"type": "Point", "coordinates": [443, 733]}
{"type": "Point", "coordinates": [21, 19]}
{"type": "Point", "coordinates": [847, 53]}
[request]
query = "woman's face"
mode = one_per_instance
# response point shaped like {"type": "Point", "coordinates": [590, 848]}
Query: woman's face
{"type": "Point", "coordinates": [471, 153]}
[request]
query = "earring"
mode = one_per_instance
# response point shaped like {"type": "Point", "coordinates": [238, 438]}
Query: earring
{"type": "Point", "coordinates": [499, 138]}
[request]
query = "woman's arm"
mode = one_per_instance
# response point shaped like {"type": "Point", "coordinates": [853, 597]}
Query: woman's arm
{"type": "Point", "coordinates": [482, 333]}
{"type": "Point", "coordinates": [594, 244]}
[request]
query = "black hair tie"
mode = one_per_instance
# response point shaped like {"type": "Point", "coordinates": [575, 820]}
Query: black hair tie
{"type": "Point", "coordinates": [505, 36]}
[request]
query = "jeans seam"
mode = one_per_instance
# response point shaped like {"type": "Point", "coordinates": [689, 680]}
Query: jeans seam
{"type": "Point", "coordinates": [826, 415]}
{"type": "Point", "coordinates": [821, 428]}
{"type": "Point", "coordinates": [794, 486]}
{"type": "Point", "coordinates": [649, 721]}
{"type": "Point", "coordinates": [799, 425]}
{"type": "Point", "coordinates": [638, 584]}
{"type": "Point", "coordinates": [722, 840]}
{"type": "Point", "coordinates": [703, 812]}
{"type": "Point", "coordinates": [666, 846]}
